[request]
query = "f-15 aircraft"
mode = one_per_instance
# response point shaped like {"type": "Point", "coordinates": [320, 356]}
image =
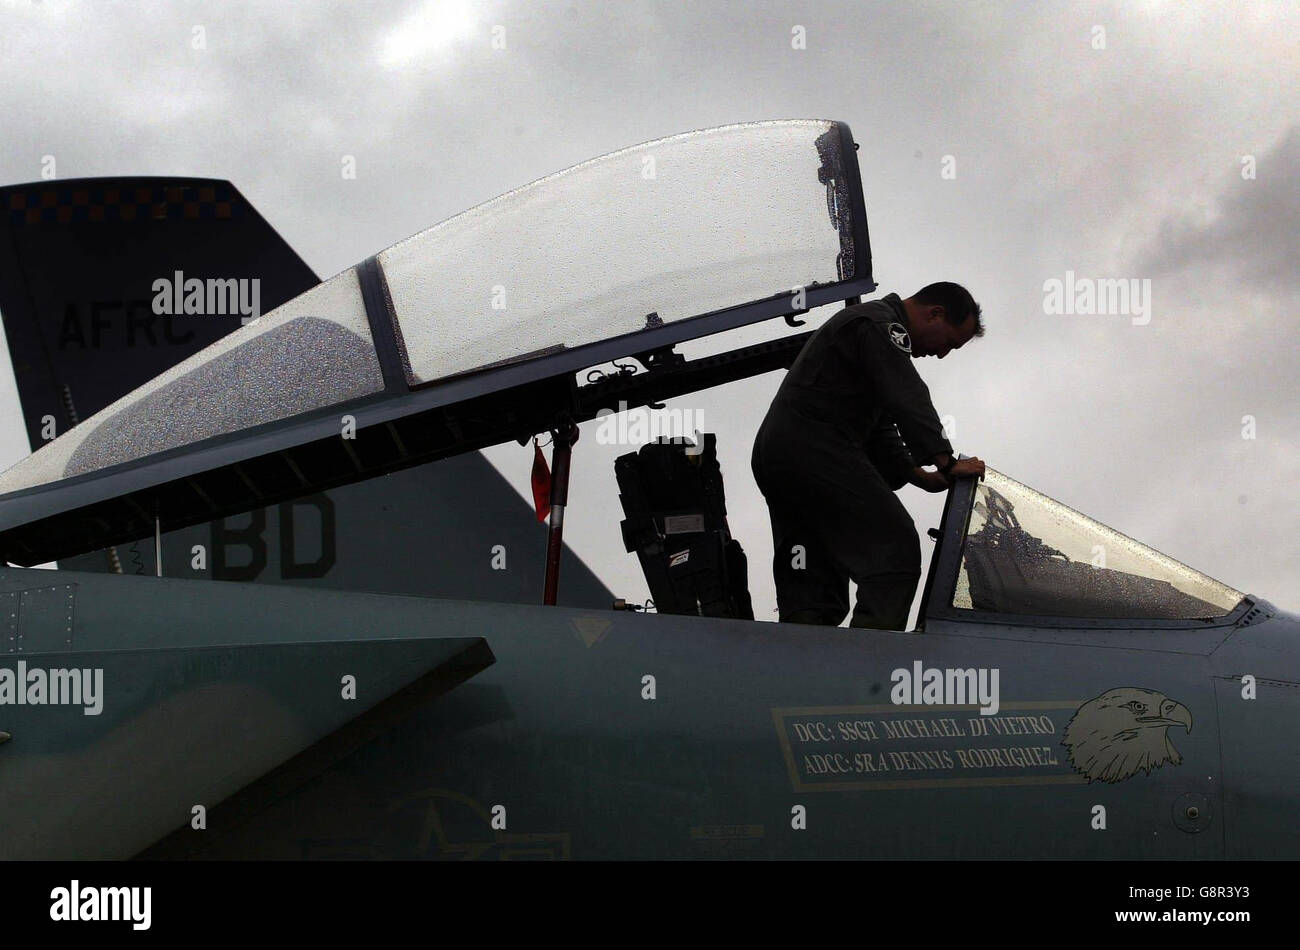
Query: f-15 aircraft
{"type": "Point", "coordinates": [251, 649]}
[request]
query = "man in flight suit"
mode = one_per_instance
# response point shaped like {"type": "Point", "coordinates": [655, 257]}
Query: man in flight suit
{"type": "Point", "coordinates": [851, 424]}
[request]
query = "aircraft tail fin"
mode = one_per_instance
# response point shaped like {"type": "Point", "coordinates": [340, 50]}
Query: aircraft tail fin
{"type": "Point", "coordinates": [78, 264]}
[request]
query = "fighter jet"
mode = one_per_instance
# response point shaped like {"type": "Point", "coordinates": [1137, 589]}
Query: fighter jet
{"type": "Point", "coordinates": [290, 618]}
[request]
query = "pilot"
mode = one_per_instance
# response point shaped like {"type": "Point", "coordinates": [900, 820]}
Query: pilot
{"type": "Point", "coordinates": [851, 424]}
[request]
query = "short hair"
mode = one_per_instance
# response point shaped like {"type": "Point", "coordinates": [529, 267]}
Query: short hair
{"type": "Point", "coordinates": [955, 299]}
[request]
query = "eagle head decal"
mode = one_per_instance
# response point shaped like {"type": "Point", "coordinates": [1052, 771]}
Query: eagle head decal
{"type": "Point", "coordinates": [1123, 730]}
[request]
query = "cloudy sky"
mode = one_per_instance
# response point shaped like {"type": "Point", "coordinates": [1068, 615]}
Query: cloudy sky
{"type": "Point", "coordinates": [1140, 140]}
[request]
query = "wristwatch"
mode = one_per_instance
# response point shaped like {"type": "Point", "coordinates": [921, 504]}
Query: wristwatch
{"type": "Point", "coordinates": [952, 460]}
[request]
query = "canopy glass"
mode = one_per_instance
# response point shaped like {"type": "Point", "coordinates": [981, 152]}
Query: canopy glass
{"type": "Point", "coordinates": [642, 237]}
{"type": "Point", "coordinates": [659, 232]}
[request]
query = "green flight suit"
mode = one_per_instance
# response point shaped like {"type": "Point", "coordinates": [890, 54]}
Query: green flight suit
{"type": "Point", "coordinates": [846, 428]}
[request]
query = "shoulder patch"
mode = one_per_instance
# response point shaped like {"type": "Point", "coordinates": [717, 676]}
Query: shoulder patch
{"type": "Point", "coordinates": [899, 337]}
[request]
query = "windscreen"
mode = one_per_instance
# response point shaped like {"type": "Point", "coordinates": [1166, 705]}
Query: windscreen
{"type": "Point", "coordinates": [660, 232]}
{"type": "Point", "coordinates": [1025, 553]}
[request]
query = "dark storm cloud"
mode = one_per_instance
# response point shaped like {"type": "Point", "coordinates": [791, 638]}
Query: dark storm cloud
{"type": "Point", "coordinates": [1254, 232]}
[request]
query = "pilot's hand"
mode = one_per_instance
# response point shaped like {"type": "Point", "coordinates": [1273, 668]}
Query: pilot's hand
{"type": "Point", "coordinates": [964, 467]}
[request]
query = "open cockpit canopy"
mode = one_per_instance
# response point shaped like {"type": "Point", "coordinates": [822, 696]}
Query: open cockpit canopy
{"type": "Point", "coordinates": [625, 254]}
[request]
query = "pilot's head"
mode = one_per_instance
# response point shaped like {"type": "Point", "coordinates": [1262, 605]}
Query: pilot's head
{"type": "Point", "coordinates": [941, 318]}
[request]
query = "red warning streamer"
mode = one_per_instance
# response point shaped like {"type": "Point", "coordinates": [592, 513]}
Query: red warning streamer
{"type": "Point", "coordinates": [541, 483]}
